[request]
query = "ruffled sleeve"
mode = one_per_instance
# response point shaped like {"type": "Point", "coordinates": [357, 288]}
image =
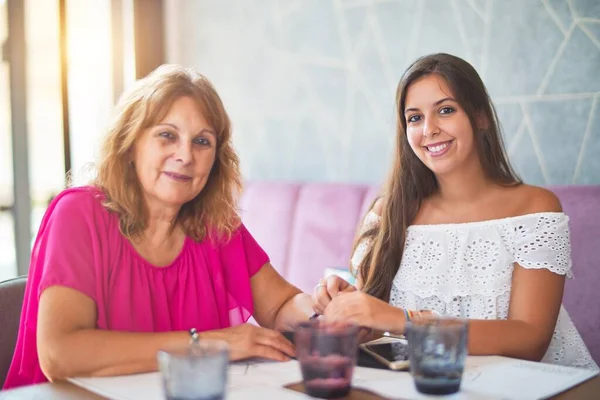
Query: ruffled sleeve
{"type": "Point", "coordinates": [543, 242]}
{"type": "Point", "coordinates": [241, 258]}
{"type": "Point", "coordinates": [371, 220]}
{"type": "Point", "coordinates": [71, 245]}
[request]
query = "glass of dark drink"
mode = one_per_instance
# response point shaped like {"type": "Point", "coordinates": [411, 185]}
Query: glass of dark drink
{"type": "Point", "coordinates": [327, 355]}
{"type": "Point", "coordinates": [197, 371]}
{"type": "Point", "coordinates": [437, 353]}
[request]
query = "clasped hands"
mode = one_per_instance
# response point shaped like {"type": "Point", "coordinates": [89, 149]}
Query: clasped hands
{"type": "Point", "coordinates": [338, 300]}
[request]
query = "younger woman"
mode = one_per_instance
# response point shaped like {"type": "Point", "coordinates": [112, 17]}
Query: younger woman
{"type": "Point", "coordinates": [456, 232]}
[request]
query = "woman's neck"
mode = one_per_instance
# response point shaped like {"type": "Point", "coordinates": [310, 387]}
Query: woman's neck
{"type": "Point", "coordinates": [463, 187]}
{"type": "Point", "coordinates": [161, 227]}
{"type": "Point", "coordinates": [161, 242]}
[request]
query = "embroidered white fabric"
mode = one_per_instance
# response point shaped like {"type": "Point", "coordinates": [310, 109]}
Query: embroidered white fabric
{"type": "Point", "coordinates": [465, 270]}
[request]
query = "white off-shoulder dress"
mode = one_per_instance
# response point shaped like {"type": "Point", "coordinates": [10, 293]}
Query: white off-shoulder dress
{"type": "Point", "coordinates": [465, 270]}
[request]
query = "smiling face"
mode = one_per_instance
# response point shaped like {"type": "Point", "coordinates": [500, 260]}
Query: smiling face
{"type": "Point", "coordinates": [173, 158]}
{"type": "Point", "coordinates": [438, 129]}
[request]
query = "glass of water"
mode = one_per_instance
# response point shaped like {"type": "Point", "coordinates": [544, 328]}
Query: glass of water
{"type": "Point", "coordinates": [197, 371]}
{"type": "Point", "coordinates": [437, 353]}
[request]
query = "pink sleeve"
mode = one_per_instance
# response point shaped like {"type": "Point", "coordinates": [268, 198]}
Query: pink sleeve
{"type": "Point", "coordinates": [256, 257]}
{"type": "Point", "coordinates": [72, 246]}
{"type": "Point", "coordinates": [241, 258]}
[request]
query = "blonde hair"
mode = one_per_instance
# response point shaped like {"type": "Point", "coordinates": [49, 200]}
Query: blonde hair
{"type": "Point", "coordinates": [214, 210]}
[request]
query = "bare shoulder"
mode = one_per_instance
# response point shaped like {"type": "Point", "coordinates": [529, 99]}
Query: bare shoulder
{"type": "Point", "coordinates": [378, 206]}
{"type": "Point", "coordinates": [535, 199]}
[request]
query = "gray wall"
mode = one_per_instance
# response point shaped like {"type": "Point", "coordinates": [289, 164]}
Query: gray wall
{"type": "Point", "coordinates": [310, 84]}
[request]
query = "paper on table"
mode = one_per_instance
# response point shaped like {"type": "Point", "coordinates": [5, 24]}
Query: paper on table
{"type": "Point", "coordinates": [245, 376]}
{"type": "Point", "coordinates": [130, 387]}
{"type": "Point", "coordinates": [518, 379]}
{"type": "Point", "coordinates": [266, 393]}
{"type": "Point", "coordinates": [491, 378]}
{"type": "Point", "coordinates": [403, 387]}
{"type": "Point", "coordinates": [266, 375]}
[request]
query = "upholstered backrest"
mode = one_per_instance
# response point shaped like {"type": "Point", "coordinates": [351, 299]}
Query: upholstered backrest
{"type": "Point", "coordinates": [11, 300]}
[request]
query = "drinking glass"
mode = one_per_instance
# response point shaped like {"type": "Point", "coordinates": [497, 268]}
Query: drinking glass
{"type": "Point", "coordinates": [437, 353]}
{"type": "Point", "coordinates": [197, 371]}
{"type": "Point", "coordinates": [327, 354]}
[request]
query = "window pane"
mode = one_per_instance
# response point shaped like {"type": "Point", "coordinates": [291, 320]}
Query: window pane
{"type": "Point", "coordinates": [8, 262]}
{"type": "Point", "coordinates": [44, 105]}
{"type": "Point", "coordinates": [90, 81]}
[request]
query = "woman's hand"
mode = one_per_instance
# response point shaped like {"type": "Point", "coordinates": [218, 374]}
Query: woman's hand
{"type": "Point", "coordinates": [328, 289]}
{"type": "Point", "coordinates": [246, 341]}
{"type": "Point", "coordinates": [366, 311]}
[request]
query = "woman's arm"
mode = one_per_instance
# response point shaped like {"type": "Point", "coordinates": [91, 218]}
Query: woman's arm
{"type": "Point", "coordinates": [534, 306]}
{"type": "Point", "coordinates": [536, 296]}
{"type": "Point", "coordinates": [277, 303]}
{"type": "Point", "coordinates": [535, 301]}
{"type": "Point", "coordinates": [70, 345]}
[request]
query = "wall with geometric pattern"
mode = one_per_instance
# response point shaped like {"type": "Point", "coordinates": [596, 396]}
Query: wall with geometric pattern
{"type": "Point", "coordinates": [310, 84]}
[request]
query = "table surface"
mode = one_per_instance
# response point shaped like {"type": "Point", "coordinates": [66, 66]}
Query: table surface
{"type": "Point", "coordinates": [67, 391]}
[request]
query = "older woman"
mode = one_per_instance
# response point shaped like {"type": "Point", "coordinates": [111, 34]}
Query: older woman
{"type": "Point", "coordinates": [153, 249]}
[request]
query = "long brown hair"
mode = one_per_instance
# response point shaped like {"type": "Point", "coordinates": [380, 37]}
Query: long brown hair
{"type": "Point", "coordinates": [410, 181]}
{"type": "Point", "coordinates": [145, 105]}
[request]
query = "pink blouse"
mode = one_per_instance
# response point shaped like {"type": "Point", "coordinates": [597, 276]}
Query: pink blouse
{"type": "Point", "coordinates": [79, 246]}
